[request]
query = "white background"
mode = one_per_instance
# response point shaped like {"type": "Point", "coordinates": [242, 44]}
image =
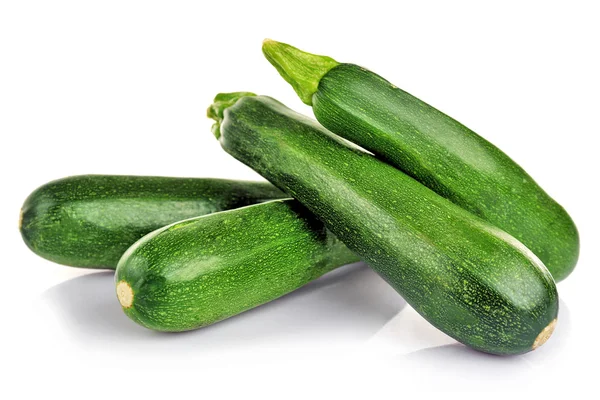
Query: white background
{"type": "Point", "coordinates": [120, 87]}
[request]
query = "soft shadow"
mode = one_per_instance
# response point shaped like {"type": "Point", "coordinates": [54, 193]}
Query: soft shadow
{"type": "Point", "coordinates": [549, 350]}
{"type": "Point", "coordinates": [350, 303]}
{"type": "Point", "coordinates": [455, 364]}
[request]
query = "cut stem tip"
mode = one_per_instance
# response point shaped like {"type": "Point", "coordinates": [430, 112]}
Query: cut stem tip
{"type": "Point", "coordinates": [544, 335]}
{"type": "Point", "coordinates": [124, 294]}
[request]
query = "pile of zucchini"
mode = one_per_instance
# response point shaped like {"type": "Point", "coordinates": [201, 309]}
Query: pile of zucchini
{"type": "Point", "coordinates": [462, 232]}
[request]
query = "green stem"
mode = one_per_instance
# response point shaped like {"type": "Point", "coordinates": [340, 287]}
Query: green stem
{"type": "Point", "coordinates": [300, 69]}
{"type": "Point", "coordinates": [221, 102]}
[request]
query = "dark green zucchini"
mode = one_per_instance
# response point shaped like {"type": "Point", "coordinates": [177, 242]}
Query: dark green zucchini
{"type": "Point", "coordinates": [433, 148]}
{"type": "Point", "coordinates": [202, 270]}
{"type": "Point", "coordinates": [467, 277]}
{"type": "Point", "coordinates": [90, 220]}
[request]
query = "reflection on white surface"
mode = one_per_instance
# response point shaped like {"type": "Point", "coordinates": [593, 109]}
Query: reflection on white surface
{"type": "Point", "coordinates": [349, 304]}
{"type": "Point", "coordinates": [409, 333]}
{"type": "Point", "coordinates": [351, 307]}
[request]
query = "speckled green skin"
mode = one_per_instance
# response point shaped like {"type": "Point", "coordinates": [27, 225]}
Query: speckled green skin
{"type": "Point", "coordinates": [433, 148]}
{"type": "Point", "coordinates": [203, 270]}
{"type": "Point", "coordinates": [90, 220]}
{"type": "Point", "coordinates": [449, 158]}
{"type": "Point", "coordinates": [468, 278]}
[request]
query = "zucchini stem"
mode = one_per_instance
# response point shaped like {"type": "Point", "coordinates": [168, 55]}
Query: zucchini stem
{"type": "Point", "coordinates": [221, 102]}
{"type": "Point", "coordinates": [300, 69]}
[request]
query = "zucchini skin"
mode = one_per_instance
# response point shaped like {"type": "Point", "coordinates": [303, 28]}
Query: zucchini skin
{"type": "Point", "coordinates": [468, 278]}
{"type": "Point", "coordinates": [433, 148]}
{"type": "Point", "coordinates": [449, 158]}
{"type": "Point", "coordinates": [90, 220]}
{"type": "Point", "coordinates": [199, 271]}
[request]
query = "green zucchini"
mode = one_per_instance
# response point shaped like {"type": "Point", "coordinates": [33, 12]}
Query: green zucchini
{"type": "Point", "coordinates": [470, 279]}
{"type": "Point", "coordinates": [202, 270]}
{"type": "Point", "coordinates": [433, 148]}
{"type": "Point", "coordinates": [90, 220]}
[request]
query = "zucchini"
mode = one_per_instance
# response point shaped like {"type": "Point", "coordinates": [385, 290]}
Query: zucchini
{"type": "Point", "coordinates": [202, 270]}
{"type": "Point", "coordinates": [470, 279]}
{"type": "Point", "coordinates": [433, 148]}
{"type": "Point", "coordinates": [90, 220]}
